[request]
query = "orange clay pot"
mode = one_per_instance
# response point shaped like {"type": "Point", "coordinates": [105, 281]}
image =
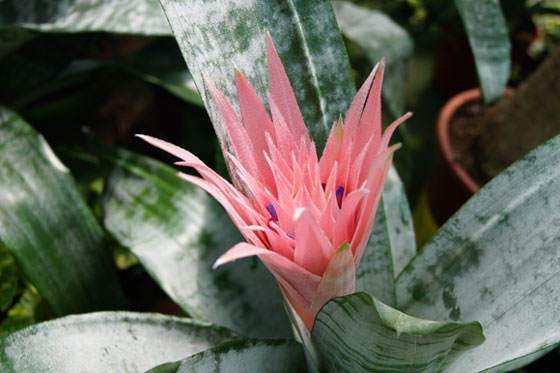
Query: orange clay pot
{"type": "Point", "coordinates": [451, 185]}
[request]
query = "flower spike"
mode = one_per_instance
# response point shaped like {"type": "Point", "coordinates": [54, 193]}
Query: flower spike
{"type": "Point", "coordinates": [307, 218]}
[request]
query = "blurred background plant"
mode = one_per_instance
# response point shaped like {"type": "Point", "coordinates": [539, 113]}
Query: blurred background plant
{"type": "Point", "coordinates": [89, 75]}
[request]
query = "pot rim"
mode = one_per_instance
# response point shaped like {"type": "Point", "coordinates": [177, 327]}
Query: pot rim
{"type": "Point", "coordinates": [442, 131]}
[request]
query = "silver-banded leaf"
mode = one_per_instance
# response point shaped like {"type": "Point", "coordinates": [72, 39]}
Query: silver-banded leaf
{"type": "Point", "coordinates": [217, 37]}
{"type": "Point", "coordinates": [489, 40]}
{"type": "Point", "coordinates": [125, 17]}
{"type": "Point", "coordinates": [48, 228]}
{"type": "Point", "coordinates": [514, 364]}
{"type": "Point", "coordinates": [400, 224]}
{"type": "Point", "coordinates": [391, 245]}
{"type": "Point", "coordinates": [271, 356]}
{"type": "Point", "coordinates": [177, 231]}
{"type": "Point", "coordinates": [496, 261]}
{"type": "Point", "coordinates": [106, 342]}
{"type": "Point", "coordinates": [21, 20]}
{"type": "Point", "coordinates": [358, 333]}
{"type": "Point", "coordinates": [380, 37]}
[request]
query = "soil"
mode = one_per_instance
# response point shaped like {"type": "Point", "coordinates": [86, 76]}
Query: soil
{"type": "Point", "coordinates": [464, 136]}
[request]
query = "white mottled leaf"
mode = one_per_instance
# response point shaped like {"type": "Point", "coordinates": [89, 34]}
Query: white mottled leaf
{"type": "Point", "coordinates": [489, 39]}
{"type": "Point", "coordinates": [497, 261]}
{"type": "Point", "coordinates": [358, 333]}
{"type": "Point", "coordinates": [106, 342]}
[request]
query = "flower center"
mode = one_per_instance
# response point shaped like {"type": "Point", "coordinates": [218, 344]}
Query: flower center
{"type": "Point", "coordinates": [339, 194]}
{"type": "Point", "coordinates": [272, 211]}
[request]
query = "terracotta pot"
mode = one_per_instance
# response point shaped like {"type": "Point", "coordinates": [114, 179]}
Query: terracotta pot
{"type": "Point", "coordinates": [446, 115]}
{"type": "Point", "coordinates": [451, 185]}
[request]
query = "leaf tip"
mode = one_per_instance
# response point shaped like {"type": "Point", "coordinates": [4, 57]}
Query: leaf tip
{"type": "Point", "coordinates": [219, 262]}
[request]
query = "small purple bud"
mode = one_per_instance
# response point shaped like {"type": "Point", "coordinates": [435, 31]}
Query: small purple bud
{"type": "Point", "coordinates": [339, 194]}
{"type": "Point", "coordinates": [272, 211]}
{"type": "Point", "coordinates": [291, 236]}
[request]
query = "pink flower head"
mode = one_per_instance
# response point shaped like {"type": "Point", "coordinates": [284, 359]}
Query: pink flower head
{"type": "Point", "coordinates": [307, 219]}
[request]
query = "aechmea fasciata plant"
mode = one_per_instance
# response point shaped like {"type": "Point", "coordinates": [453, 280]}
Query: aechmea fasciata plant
{"type": "Point", "coordinates": [307, 218]}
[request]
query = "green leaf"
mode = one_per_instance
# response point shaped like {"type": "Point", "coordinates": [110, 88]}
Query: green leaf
{"type": "Point", "coordinates": [217, 37]}
{"type": "Point", "coordinates": [29, 309]}
{"type": "Point", "coordinates": [358, 333]}
{"type": "Point", "coordinates": [160, 64]}
{"type": "Point", "coordinates": [106, 342]}
{"type": "Point", "coordinates": [48, 228]}
{"type": "Point", "coordinates": [488, 36]}
{"type": "Point", "coordinates": [34, 74]}
{"type": "Point", "coordinates": [391, 245]}
{"type": "Point", "coordinates": [142, 17]}
{"type": "Point", "coordinates": [271, 356]}
{"type": "Point", "coordinates": [380, 37]}
{"type": "Point", "coordinates": [163, 66]}
{"type": "Point", "coordinates": [20, 22]}
{"type": "Point", "coordinates": [9, 277]}
{"type": "Point", "coordinates": [497, 261]}
{"type": "Point", "coordinates": [177, 232]}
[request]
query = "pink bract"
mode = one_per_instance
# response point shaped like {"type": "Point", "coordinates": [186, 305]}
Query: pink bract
{"type": "Point", "coordinates": [307, 219]}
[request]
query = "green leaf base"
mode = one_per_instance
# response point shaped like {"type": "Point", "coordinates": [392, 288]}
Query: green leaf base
{"type": "Point", "coordinates": [358, 333]}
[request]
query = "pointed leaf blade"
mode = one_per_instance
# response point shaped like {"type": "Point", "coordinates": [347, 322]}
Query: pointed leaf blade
{"type": "Point", "coordinates": [177, 232]}
{"type": "Point", "coordinates": [391, 245]}
{"type": "Point", "coordinates": [358, 333]}
{"type": "Point", "coordinates": [21, 23]}
{"type": "Point", "coordinates": [497, 261]}
{"type": "Point", "coordinates": [380, 37]}
{"type": "Point", "coordinates": [106, 342]}
{"type": "Point", "coordinates": [131, 17]}
{"type": "Point", "coordinates": [47, 226]}
{"type": "Point", "coordinates": [489, 39]}
{"type": "Point", "coordinates": [273, 356]}
{"type": "Point", "coordinates": [233, 35]}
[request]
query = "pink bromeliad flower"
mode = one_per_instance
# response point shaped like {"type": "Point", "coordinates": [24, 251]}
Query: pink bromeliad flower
{"type": "Point", "coordinates": [307, 219]}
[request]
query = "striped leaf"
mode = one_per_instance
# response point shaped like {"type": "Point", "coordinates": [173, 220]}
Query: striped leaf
{"type": "Point", "coordinates": [497, 261]}
{"type": "Point", "coordinates": [160, 64]}
{"type": "Point", "coordinates": [177, 231]}
{"type": "Point", "coordinates": [358, 333]}
{"type": "Point", "coordinates": [489, 40]}
{"type": "Point", "coordinates": [131, 17]}
{"type": "Point", "coordinates": [48, 66]}
{"type": "Point", "coordinates": [21, 21]}
{"type": "Point", "coordinates": [379, 37]}
{"type": "Point", "coordinates": [391, 245]}
{"type": "Point", "coordinates": [106, 342]}
{"type": "Point", "coordinates": [33, 74]}
{"type": "Point", "coordinates": [271, 356]}
{"type": "Point", "coordinates": [217, 37]}
{"type": "Point", "coordinates": [48, 228]}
